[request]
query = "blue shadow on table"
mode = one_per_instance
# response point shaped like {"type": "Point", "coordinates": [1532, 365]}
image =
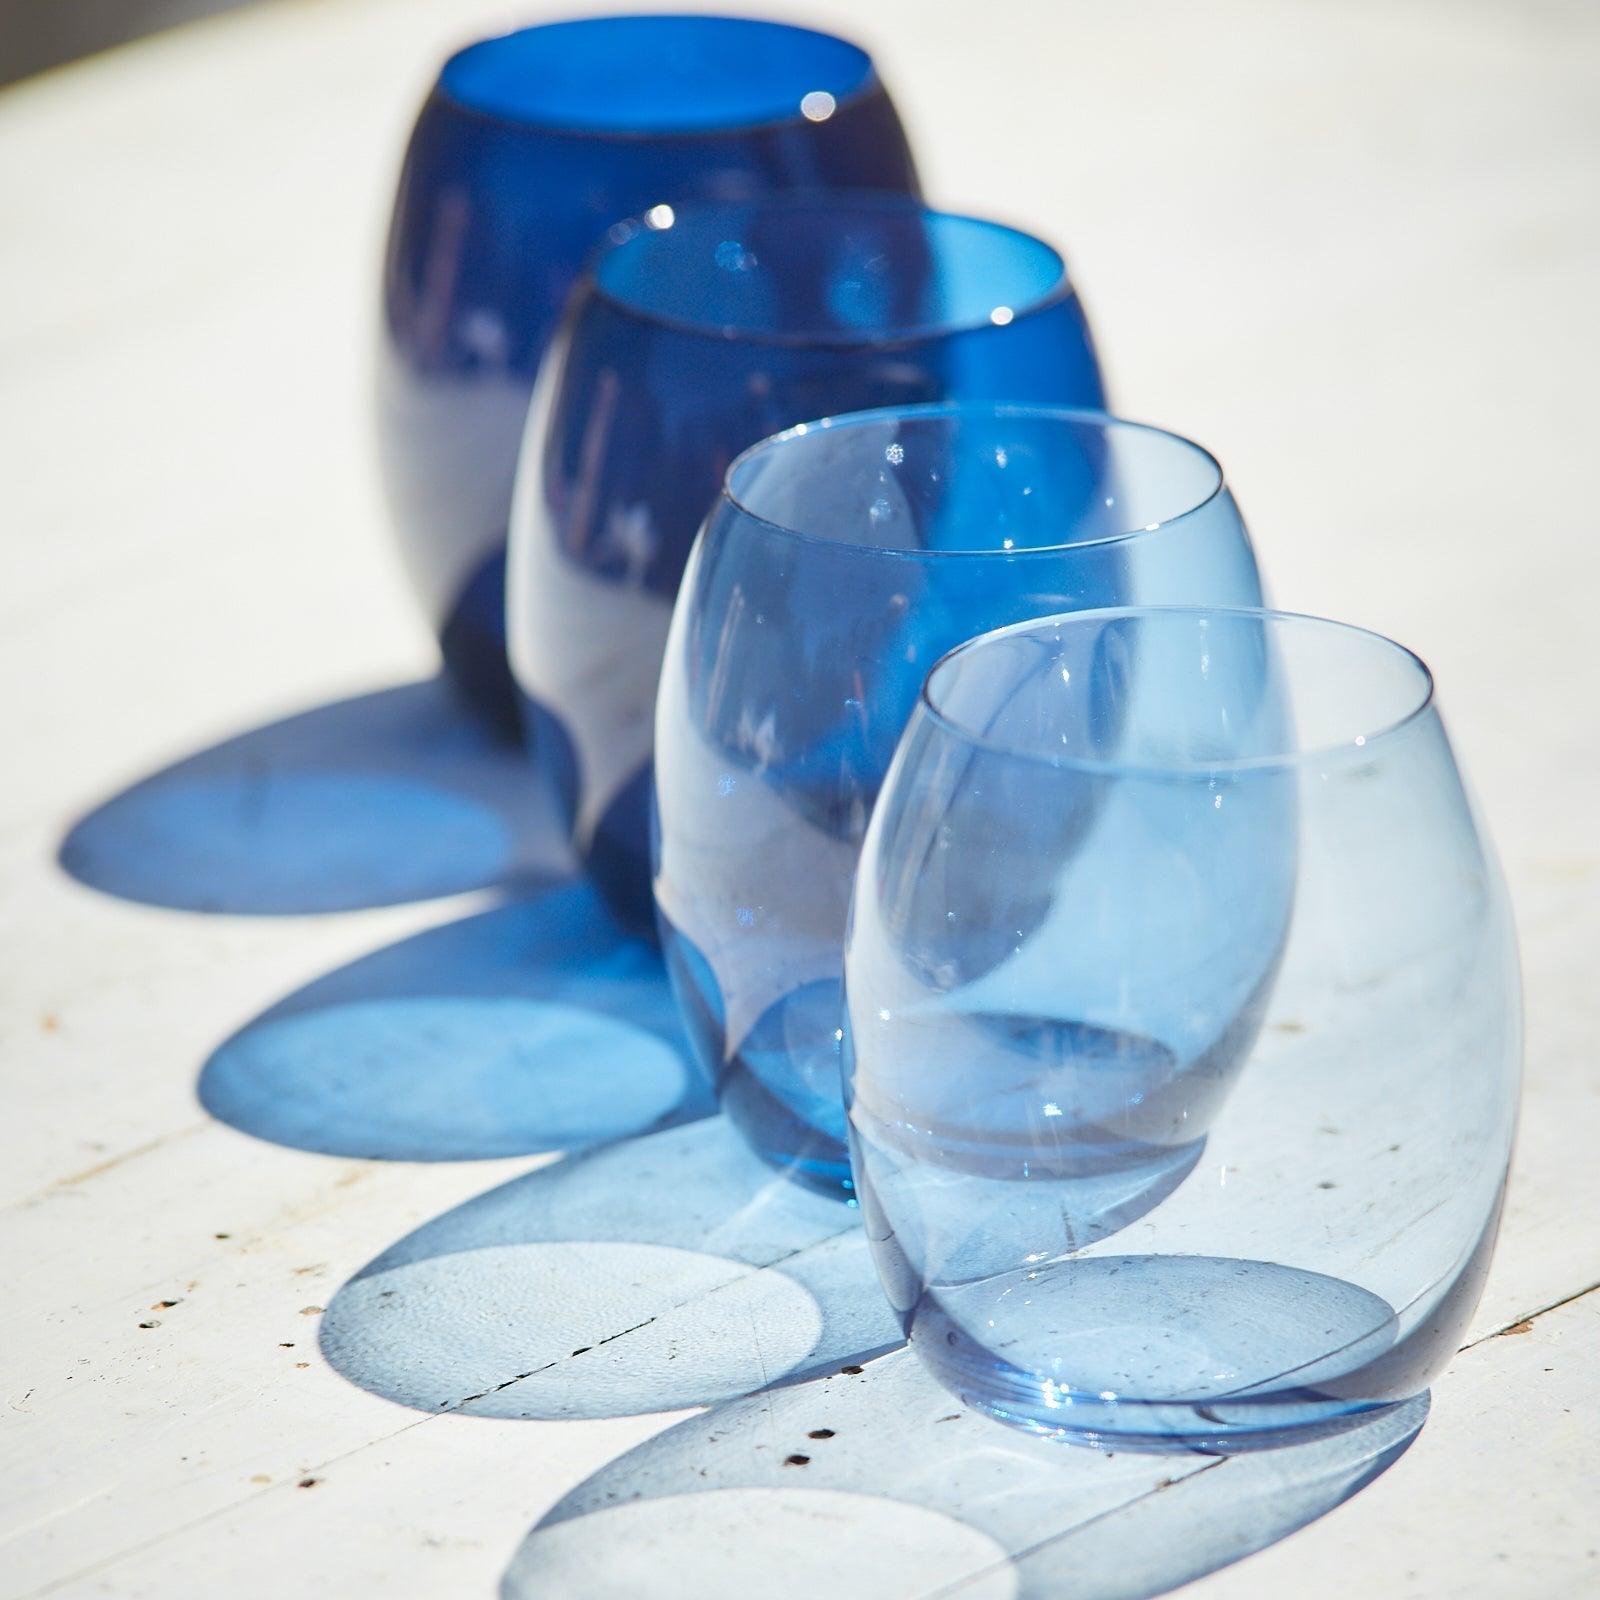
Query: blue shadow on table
{"type": "Point", "coordinates": [659, 1273]}
{"type": "Point", "coordinates": [382, 799]}
{"type": "Point", "coordinates": [539, 1025]}
{"type": "Point", "coordinates": [873, 1480]}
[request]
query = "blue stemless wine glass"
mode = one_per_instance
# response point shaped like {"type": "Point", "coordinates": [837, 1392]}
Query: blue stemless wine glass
{"type": "Point", "coordinates": [529, 147]}
{"type": "Point", "coordinates": [840, 562]}
{"type": "Point", "coordinates": [695, 334]}
{"type": "Point", "coordinates": [1272, 1012]}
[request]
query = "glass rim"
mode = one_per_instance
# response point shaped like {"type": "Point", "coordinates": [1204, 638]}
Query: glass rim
{"type": "Point", "coordinates": [1089, 416]}
{"type": "Point", "coordinates": [1360, 746]}
{"type": "Point", "coordinates": [620, 235]}
{"type": "Point", "coordinates": [553, 127]}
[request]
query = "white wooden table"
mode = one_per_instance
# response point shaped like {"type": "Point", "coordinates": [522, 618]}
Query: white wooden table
{"type": "Point", "coordinates": [1354, 248]}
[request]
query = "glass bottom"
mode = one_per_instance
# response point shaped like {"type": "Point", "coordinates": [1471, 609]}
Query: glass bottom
{"type": "Point", "coordinates": [781, 1087]}
{"type": "Point", "coordinates": [796, 1148]}
{"type": "Point", "coordinates": [473, 644]}
{"type": "Point", "coordinates": [617, 860]}
{"type": "Point", "coordinates": [1161, 1352]}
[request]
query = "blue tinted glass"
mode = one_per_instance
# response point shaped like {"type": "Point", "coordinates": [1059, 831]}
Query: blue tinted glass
{"type": "Point", "coordinates": [1183, 917]}
{"type": "Point", "coordinates": [647, 74]}
{"type": "Point", "coordinates": [839, 565]}
{"type": "Point", "coordinates": [864, 272]}
{"type": "Point", "coordinates": [699, 332]}
{"type": "Point", "coordinates": [529, 148]}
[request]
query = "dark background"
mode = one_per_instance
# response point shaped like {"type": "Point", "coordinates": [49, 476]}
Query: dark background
{"type": "Point", "coordinates": [36, 34]}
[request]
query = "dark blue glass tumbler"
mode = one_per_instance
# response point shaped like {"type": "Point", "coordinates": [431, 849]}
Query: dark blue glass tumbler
{"type": "Point", "coordinates": [842, 560]}
{"type": "Point", "coordinates": [528, 148]}
{"type": "Point", "coordinates": [1210, 1150]}
{"type": "Point", "coordinates": [696, 333]}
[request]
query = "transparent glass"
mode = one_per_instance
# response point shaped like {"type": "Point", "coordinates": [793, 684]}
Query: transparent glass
{"type": "Point", "coordinates": [1183, 1028]}
{"type": "Point", "coordinates": [840, 562]}
{"type": "Point", "coordinates": [528, 148]}
{"type": "Point", "coordinates": [698, 332]}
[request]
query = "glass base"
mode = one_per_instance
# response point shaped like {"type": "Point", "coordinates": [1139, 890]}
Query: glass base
{"type": "Point", "coordinates": [472, 641]}
{"type": "Point", "coordinates": [1194, 1435]}
{"type": "Point", "coordinates": [781, 1088]}
{"type": "Point", "coordinates": [1161, 1353]}
{"type": "Point", "coordinates": [617, 861]}
{"type": "Point", "coordinates": [784, 1141]}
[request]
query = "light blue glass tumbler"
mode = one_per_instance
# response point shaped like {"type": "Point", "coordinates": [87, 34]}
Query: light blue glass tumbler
{"type": "Point", "coordinates": [842, 560]}
{"type": "Point", "coordinates": [1184, 1030]}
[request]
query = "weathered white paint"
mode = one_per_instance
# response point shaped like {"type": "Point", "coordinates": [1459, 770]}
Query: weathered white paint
{"type": "Point", "coordinates": [1352, 249]}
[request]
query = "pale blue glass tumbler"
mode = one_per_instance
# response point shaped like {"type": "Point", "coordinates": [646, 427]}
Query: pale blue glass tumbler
{"type": "Point", "coordinates": [1183, 1036]}
{"type": "Point", "coordinates": [843, 558]}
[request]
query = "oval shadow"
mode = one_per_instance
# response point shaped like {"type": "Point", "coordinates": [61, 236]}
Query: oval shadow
{"type": "Point", "coordinates": [536, 1026]}
{"type": "Point", "coordinates": [664, 1272]}
{"type": "Point", "coordinates": [382, 799]}
{"type": "Point", "coordinates": [1065, 1520]}
{"type": "Point", "coordinates": [777, 1540]}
